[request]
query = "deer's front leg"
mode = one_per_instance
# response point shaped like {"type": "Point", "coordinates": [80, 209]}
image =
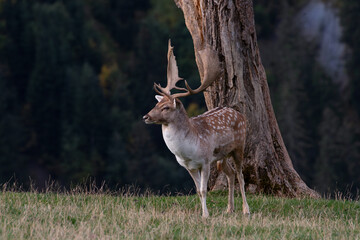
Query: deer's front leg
{"type": "Point", "coordinates": [195, 174]}
{"type": "Point", "coordinates": [205, 173]}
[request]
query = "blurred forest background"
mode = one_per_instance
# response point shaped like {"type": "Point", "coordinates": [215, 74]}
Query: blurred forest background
{"type": "Point", "coordinates": [76, 78]}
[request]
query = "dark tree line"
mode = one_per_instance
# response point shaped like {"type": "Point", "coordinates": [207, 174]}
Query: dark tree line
{"type": "Point", "coordinates": [76, 76]}
{"type": "Point", "coordinates": [318, 118]}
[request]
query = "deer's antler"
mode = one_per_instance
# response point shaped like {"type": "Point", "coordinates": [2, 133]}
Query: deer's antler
{"type": "Point", "coordinates": [172, 74]}
{"type": "Point", "coordinates": [211, 67]}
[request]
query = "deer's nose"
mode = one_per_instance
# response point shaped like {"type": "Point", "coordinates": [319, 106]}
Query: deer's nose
{"type": "Point", "coordinates": [146, 118]}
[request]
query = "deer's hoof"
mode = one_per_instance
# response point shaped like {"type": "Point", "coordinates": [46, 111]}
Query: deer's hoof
{"type": "Point", "coordinates": [229, 210]}
{"type": "Point", "coordinates": [205, 215]}
{"type": "Point", "coordinates": [247, 214]}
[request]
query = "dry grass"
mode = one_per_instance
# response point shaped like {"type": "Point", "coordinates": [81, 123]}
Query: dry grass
{"type": "Point", "coordinates": [81, 215]}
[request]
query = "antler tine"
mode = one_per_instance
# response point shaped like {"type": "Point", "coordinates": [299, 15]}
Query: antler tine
{"type": "Point", "coordinates": [211, 67]}
{"type": "Point", "coordinates": [160, 90]}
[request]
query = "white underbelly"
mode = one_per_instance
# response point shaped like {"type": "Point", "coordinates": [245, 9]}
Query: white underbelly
{"type": "Point", "coordinates": [190, 164]}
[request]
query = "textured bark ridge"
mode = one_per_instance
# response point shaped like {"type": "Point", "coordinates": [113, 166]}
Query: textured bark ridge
{"type": "Point", "coordinates": [228, 27]}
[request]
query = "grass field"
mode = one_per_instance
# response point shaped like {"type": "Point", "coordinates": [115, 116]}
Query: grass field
{"type": "Point", "coordinates": [81, 215]}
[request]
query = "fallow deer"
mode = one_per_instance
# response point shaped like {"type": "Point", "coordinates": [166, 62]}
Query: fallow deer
{"type": "Point", "coordinates": [197, 142]}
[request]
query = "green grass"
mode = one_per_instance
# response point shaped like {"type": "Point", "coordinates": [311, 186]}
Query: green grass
{"type": "Point", "coordinates": [31, 215]}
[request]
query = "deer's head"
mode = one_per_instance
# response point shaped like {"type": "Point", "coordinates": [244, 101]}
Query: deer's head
{"type": "Point", "coordinates": [165, 111]}
{"type": "Point", "coordinates": [169, 106]}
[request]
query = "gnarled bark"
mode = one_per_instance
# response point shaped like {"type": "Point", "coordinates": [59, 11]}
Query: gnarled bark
{"type": "Point", "coordinates": [228, 27]}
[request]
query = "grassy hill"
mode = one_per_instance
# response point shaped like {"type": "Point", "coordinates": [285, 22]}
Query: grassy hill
{"type": "Point", "coordinates": [81, 215]}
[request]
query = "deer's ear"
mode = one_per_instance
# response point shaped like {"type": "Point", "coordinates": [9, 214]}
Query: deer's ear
{"type": "Point", "coordinates": [158, 98]}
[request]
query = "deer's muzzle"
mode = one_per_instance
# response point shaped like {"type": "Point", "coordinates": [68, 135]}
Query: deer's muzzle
{"type": "Point", "coordinates": [147, 119]}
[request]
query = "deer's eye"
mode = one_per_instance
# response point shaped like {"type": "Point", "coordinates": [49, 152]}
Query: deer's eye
{"type": "Point", "coordinates": [165, 109]}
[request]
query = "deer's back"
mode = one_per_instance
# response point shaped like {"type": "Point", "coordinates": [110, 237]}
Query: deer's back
{"type": "Point", "coordinates": [222, 129]}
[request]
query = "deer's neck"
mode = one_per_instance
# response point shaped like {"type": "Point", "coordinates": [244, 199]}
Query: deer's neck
{"type": "Point", "coordinates": [180, 126]}
{"type": "Point", "coordinates": [179, 135]}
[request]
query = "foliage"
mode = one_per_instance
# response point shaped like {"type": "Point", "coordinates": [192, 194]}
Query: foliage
{"type": "Point", "coordinates": [350, 21]}
{"type": "Point", "coordinates": [318, 120]}
{"type": "Point", "coordinates": [76, 77]}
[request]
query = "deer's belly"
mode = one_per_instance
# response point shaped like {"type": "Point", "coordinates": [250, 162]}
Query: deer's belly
{"type": "Point", "coordinates": [190, 164]}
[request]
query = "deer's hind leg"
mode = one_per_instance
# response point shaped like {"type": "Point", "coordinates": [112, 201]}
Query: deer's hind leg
{"type": "Point", "coordinates": [230, 175]}
{"type": "Point", "coordinates": [238, 159]}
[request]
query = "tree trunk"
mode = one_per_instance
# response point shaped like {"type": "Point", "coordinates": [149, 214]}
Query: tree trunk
{"type": "Point", "coordinates": [228, 27]}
